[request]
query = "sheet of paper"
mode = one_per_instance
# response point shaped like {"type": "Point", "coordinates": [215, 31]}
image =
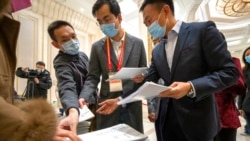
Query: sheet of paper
{"type": "Point", "coordinates": [120, 132]}
{"type": "Point", "coordinates": [85, 114]}
{"type": "Point", "coordinates": [147, 90]}
{"type": "Point", "coordinates": [128, 73]}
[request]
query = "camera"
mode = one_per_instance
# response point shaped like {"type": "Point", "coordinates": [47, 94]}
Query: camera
{"type": "Point", "coordinates": [32, 73]}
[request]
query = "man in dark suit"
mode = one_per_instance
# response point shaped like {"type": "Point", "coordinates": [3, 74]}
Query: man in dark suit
{"type": "Point", "coordinates": [194, 62]}
{"type": "Point", "coordinates": [118, 49]}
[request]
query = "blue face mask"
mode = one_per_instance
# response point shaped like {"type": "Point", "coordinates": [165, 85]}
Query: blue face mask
{"type": "Point", "coordinates": [247, 58]}
{"type": "Point", "coordinates": [156, 30]}
{"type": "Point", "coordinates": [109, 29]}
{"type": "Point", "coordinates": [71, 47]}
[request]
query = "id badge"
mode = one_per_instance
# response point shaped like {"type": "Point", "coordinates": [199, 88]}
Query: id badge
{"type": "Point", "coordinates": [115, 85]}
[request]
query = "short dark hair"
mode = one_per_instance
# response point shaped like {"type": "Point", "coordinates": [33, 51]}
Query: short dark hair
{"type": "Point", "coordinates": [55, 25]}
{"type": "Point", "coordinates": [40, 63]}
{"type": "Point", "coordinates": [113, 6]}
{"type": "Point", "coordinates": [158, 3]}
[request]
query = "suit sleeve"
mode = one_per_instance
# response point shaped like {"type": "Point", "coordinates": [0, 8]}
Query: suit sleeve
{"type": "Point", "coordinates": [239, 87]}
{"type": "Point", "coordinates": [93, 78]}
{"type": "Point", "coordinates": [66, 86]}
{"type": "Point", "coordinates": [143, 59]}
{"type": "Point", "coordinates": [222, 72]}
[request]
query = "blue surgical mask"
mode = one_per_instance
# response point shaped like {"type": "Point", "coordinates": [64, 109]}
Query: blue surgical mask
{"type": "Point", "coordinates": [247, 58]}
{"type": "Point", "coordinates": [156, 30]}
{"type": "Point", "coordinates": [109, 29]}
{"type": "Point", "coordinates": [71, 47]}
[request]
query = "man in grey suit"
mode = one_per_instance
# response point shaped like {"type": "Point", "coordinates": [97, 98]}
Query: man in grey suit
{"type": "Point", "coordinates": [118, 49]}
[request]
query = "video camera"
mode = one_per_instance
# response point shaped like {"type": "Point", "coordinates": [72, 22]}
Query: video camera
{"type": "Point", "coordinates": [32, 73]}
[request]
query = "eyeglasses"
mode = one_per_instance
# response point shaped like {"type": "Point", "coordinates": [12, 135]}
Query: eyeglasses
{"type": "Point", "coordinates": [106, 20]}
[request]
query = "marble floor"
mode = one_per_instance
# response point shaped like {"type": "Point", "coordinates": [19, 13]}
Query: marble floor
{"type": "Point", "coordinates": [149, 127]}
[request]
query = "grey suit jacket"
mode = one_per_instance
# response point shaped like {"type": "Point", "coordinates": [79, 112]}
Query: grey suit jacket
{"type": "Point", "coordinates": [134, 56]}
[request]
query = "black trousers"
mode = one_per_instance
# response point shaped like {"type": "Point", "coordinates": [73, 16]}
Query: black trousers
{"type": "Point", "coordinates": [167, 126]}
{"type": "Point", "coordinates": [171, 131]}
{"type": "Point", "coordinates": [226, 134]}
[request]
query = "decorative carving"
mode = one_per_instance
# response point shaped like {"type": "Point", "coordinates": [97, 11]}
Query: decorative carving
{"type": "Point", "coordinates": [235, 8]}
{"type": "Point", "coordinates": [55, 11]}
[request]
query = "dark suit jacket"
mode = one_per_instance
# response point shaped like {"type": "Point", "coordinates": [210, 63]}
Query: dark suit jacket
{"type": "Point", "coordinates": [200, 56]}
{"type": "Point", "coordinates": [134, 56]}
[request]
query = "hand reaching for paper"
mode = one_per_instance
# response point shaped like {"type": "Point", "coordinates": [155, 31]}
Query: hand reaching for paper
{"type": "Point", "coordinates": [107, 106]}
{"type": "Point", "coordinates": [138, 78]}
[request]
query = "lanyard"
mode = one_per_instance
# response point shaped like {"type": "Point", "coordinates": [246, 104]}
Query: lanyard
{"type": "Point", "coordinates": [120, 59]}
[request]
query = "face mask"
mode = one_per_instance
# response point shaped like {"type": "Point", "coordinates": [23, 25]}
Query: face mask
{"type": "Point", "coordinates": [247, 58]}
{"type": "Point", "coordinates": [109, 29]}
{"type": "Point", "coordinates": [71, 47]}
{"type": "Point", "coordinates": [39, 70]}
{"type": "Point", "coordinates": [156, 30]}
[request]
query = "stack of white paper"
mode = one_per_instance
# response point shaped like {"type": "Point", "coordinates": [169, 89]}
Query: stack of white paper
{"type": "Point", "coordinates": [120, 132]}
{"type": "Point", "coordinates": [147, 90]}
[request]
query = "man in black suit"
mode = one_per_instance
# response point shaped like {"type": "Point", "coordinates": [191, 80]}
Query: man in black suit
{"type": "Point", "coordinates": [193, 60]}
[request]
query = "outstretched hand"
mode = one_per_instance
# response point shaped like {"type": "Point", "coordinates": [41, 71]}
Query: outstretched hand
{"type": "Point", "coordinates": [107, 106]}
{"type": "Point", "coordinates": [67, 127]}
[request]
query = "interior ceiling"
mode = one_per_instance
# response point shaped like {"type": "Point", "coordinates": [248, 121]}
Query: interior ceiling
{"type": "Point", "coordinates": [232, 17]}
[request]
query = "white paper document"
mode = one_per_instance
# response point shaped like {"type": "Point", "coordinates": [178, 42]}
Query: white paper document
{"type": "Point", "coordinates": [128, 73]}
{"type": "Point", "coordinates": [85, 114]}
{"type": "Point", "coordinates": [120, 132]}
{"type": "Point", "coordinates": [147, 90]}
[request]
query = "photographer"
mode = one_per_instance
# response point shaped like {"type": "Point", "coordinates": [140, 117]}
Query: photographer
{"type": "Point", "coordinates": [38, 80]}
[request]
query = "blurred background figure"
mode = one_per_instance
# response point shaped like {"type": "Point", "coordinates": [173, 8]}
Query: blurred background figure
{"type": "Point", "coordinates": [225, 99]}
{"type": "Point", "coordinates": [244, 100]}
{"type": "Point", "coordinates": [39, 80]}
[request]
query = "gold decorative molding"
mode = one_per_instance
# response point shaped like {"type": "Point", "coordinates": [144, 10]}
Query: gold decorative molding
{"type": "Point", "coordinates": [235, 8]}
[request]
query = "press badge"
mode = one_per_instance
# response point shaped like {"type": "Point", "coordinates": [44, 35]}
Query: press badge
{"type": "Point", "coordinates": [115, 85]}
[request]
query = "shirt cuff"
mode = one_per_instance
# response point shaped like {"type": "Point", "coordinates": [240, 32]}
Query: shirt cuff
{"type": "Point", "coordinates": [193, 93]}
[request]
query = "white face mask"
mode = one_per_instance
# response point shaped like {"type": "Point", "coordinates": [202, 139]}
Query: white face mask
{"type": "Point", "coordinates": [71, 47]}
{"type": "Point", "coordinates": [39, 70]}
